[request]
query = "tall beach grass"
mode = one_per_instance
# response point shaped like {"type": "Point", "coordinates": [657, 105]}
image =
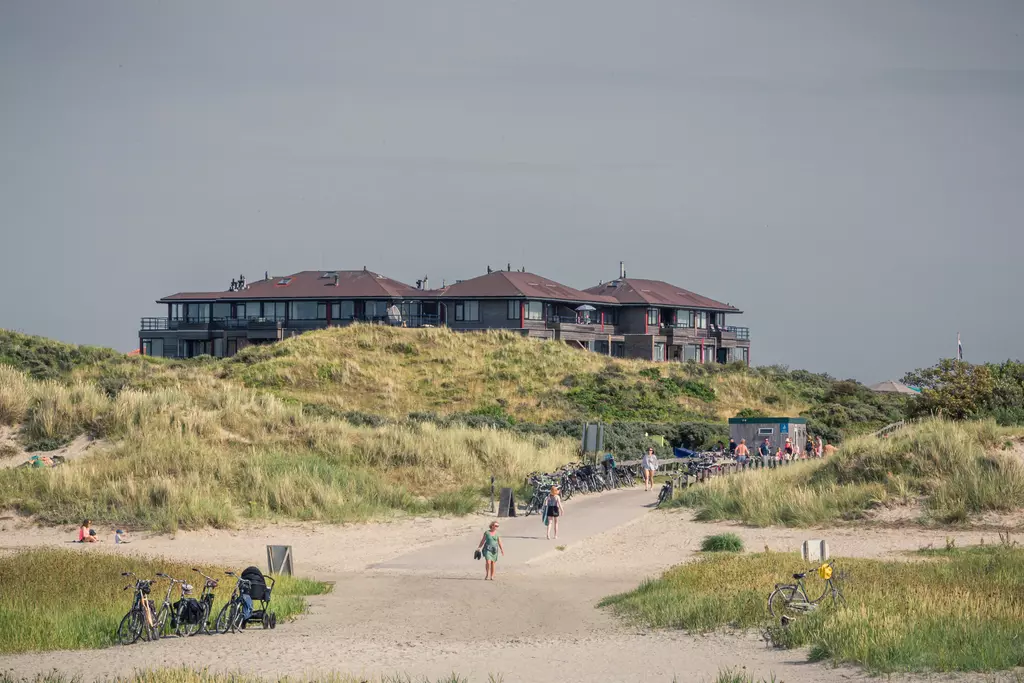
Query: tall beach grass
{"type": "Point", "coordinates": [72, 599]}
{"type": "Point", "coordinates": [955, 469]}
{"type": "Point", "coordinates": [957, 611]}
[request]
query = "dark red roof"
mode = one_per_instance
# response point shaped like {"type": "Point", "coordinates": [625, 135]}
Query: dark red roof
{"type": "Point", "coordinates": [514, 284]}
{"type": "Point", "coordinates": [313, 284]}
{"type": "Point", "coordinates": [657, 293]}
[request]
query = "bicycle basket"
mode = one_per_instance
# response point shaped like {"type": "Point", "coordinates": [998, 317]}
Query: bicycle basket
{"type": "Point", "coordinates": [825, 572]}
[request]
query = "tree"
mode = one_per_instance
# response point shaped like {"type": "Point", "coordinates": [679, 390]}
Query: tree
{"type": "Point", "coordinates": [953, 388]}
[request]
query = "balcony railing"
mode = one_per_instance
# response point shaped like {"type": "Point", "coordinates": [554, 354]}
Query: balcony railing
{"type": "Point", "coordinates": [698, 332]}
{"type": "Point", "coordinates": [742, 333]}
{"type": "Point", "coordinates": [158, 324]}
{"type": "Point", "coordinates": [578, 320]}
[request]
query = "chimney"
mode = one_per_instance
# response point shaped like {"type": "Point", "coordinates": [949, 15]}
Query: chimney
{"type": "Point", "coordinates": [622, 269]}
{"type": "Point", "coordinates": [335, 279]}
{"type": "Point", "coordinates": [489, 270]}
{"type": "Point", "coordinates": [426, 283]}
{"type": "Point", "coordinates": [364, 269]}
{"type": "Point", "coordinates": [509, 267]}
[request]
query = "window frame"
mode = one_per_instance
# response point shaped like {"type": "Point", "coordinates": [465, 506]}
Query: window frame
{"type": "Point", "coordinates": [529, 314]}
{"type": "Point", "coordinates": [460, 311]}
{"type": "Point", "coordinates": [513, 310]}
{"type": "Point", "coordinates": [653, 317]}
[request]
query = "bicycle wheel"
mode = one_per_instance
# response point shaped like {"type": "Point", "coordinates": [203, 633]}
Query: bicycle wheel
{"type": "Point", "coordinates": [223, 624]}
{"type": "Point", "coordinates": [162, 623]}
{"type": "Point", "coordinates": [131, 627]}
{"type": "Point", "coordinates": [781, 599]}
{"type": "Point", "coordinates": [236, 622]}
{"type": "Point", "coordinates": [185, 629]}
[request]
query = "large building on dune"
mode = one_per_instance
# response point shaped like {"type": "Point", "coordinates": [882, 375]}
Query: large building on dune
{"type": "Point", "coordinates": [625, 317]}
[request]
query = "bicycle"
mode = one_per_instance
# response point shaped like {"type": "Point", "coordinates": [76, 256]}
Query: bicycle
{"type": "Point", "coordinates": [206, 600]}
{"type": "Point", "coordinates": [232, 615]}
{"type": "Point", "coordinates": [789, 600]}
{"type": "Point", "coordinates": [139, 618]}
{"type": "Point", "coordinates": [170, 620]}
{"type": "Point", "coordinates": [666, 493]}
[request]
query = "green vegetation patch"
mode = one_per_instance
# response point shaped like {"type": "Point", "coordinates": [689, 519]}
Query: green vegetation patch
{"type": "Point", "coordinates": [728, 543]}
{"type": "Point", "coordinates": [72, 599]}
{"type": "Point", "coordinates": [958, 611]}
{"type": "Point", "coordinates": [959, 469]}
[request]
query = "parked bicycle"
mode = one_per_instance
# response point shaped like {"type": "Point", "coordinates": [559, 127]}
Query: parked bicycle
{"type": "Point", "coordinates": [177, 618]}
{"type": "Point", "coordinates": [206, 600]}
{"type": "Point", "coordinates": [139, 621]}
{"type": "Point", "coordinates": [231, 615]}
{"type": "Point", "coordinates": [790, 600]}
{"type": "Point", "coordinates": [666, 493]}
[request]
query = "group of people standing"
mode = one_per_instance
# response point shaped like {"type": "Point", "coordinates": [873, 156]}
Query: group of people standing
{"type": "Point", "coordinates": [814, 447]}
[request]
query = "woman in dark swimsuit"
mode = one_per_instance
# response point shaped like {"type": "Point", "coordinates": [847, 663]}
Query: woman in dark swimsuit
{"type": "Point", "coordinates": [554, 506]}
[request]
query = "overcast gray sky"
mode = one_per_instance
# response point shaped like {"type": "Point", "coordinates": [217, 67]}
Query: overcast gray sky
{"type": "Point", "coordinates": [850, 174]}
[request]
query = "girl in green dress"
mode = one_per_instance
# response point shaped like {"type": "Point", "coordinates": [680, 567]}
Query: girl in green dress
{"type": "Point", "coordinates": [491, 544]}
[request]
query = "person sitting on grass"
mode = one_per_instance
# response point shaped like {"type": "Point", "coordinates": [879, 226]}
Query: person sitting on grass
{"type": "Point", "coordinates": [86, 534]}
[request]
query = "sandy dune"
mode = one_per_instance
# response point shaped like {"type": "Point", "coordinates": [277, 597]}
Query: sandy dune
{"type": "Point", "coordinates": [409, 599]}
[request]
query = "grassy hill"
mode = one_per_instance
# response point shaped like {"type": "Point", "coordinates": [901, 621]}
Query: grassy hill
{"type": "Point", "coordinates": [358, 422]}
{"type": "Point", "coordinates": [940, 471]}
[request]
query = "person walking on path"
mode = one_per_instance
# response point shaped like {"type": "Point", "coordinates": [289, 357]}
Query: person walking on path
{"type": "Point", "coordinates": [649, 464]}
{"type": "Point", "coordinates": [809, 449]}
{"type": "Point", "coordinates": [490, 544]}
{"type": "Point", "coordinates": [765, 450]}
{"type": "Point", "coordinates": [554, 511]}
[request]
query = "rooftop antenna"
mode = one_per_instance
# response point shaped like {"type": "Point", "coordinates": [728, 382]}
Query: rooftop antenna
{"type": "Point", "coordinates": [509, 266]}
{"type": "Point", "coordinates": [622, 269]}
{"type": "Point", "coordinates": [489, 271]}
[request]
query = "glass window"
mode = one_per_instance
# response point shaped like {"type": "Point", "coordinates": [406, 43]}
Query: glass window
{"type": "Point", "coordinates": [659, 352]}
{"type": "Point", "coordinates": [692, 352]}
{"type": "Point", "coordinates": [197, 313]}
{"type": "Point", "coordinates": [218, 347]}
{"type": "Point", "coordinates": [513, 309]}
{"type": "Point", "coordinates": [376, 309]}
{"type": "Point", "coordinates": [343, 310]}
{"type": "Point", "coordinates": [611, 316]}
{"type": "Point", "coordinates": [709, 354]}
{"type": "Point", "coordinates": [701, 320]}
{"type": "Point", "coordinates": [177, 311]}
{"type": "Point", "coordinates": [221, 311]}
{"type": "Point", "coordinates": [652, 317]}
{"type": "Point", "coordinates": [534, 310]}
{"type": "Point", "coordinates": [239, 311]}
{"type": "Point", "coordinates": [302, 310]}
{"type": "Point", "coordinates": [274, 310]}
{"type": "Point", "coordinates": [467, 311]}
{"type": "Point", "coordinates": [684, 318]}
{"type": "Point", "coordinates": [765, 431]}
{"type": "Point", "coordinates": [321, 311]}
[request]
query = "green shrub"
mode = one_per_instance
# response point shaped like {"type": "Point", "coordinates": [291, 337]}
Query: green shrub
{"type": "Point", "coordinates": [729, 543]}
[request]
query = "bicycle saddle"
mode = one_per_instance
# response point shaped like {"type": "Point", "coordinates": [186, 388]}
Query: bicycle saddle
{"type": "Point", "coordinates": [800, 575]}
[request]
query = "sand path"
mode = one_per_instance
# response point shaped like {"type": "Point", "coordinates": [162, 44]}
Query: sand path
{"type": "Point", "coordinates": [409, 599]}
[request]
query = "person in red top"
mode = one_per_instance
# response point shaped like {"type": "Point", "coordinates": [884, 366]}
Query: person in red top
{"type": "Point", "coordinates": [85, 534]}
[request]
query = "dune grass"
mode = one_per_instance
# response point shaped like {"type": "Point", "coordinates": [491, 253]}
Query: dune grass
{"type": "Point", "coordinates": [961, 610]}
{"type": "Point", "coordinates": [211, 453]}
{"type": "Point", "coordinates": [956, 469]}
{"type": "Point", "coordinates": [71, 599]}
{"type": "Point", "coordinates": [722, 543]}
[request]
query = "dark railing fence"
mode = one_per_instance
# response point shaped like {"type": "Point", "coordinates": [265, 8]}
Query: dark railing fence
{"type": "Point", "coordinates": [592, 319]}
{"type": "Point", "coordinates": [156, 324]}
{"type": "Point", "coordinates": [742, 333]}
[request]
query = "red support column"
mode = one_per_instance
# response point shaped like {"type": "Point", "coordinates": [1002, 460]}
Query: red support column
{"type": "Point", "coordinates": [522, 314]}
{"type": "Point", "coordinates": [602, 321]}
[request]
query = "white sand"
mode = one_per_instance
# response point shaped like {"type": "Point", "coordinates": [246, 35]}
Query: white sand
{"type": "Point", "coordinates": [537, 622]}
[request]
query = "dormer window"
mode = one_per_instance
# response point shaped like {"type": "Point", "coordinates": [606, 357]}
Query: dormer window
{"type": "Point", "coordinates": [284, 282]}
